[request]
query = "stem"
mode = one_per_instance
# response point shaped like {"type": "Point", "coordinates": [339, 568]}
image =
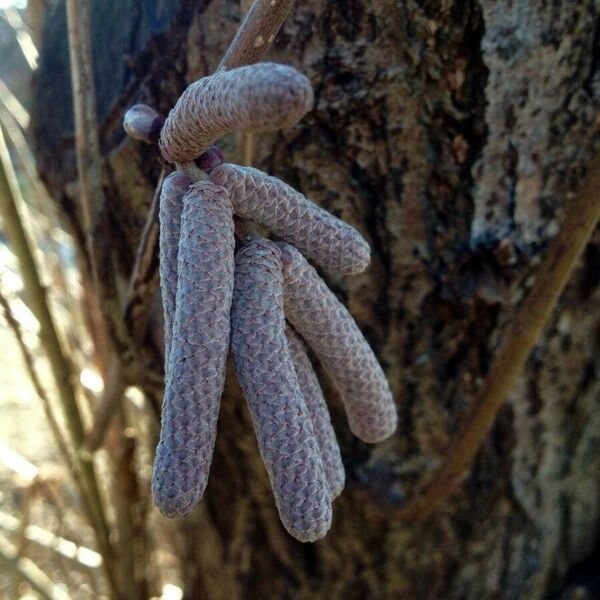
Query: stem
{"type": "Point", "coordinates": [140, 296]}
{"type": "Point", "coordinates": [62, 371]}
{"type": "Point", "coordinates": [30, 572]}
{"type": "Point", "coordinates": [256, 33]}
{"type": "Point", "coordinates": [89, 168]}
{"type": "Point", "coordinates": [579, 221]}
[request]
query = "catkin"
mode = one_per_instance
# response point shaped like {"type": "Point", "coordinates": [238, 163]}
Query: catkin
{"type": "Point", "coordinates": [320, 236]}
{"type": "Point", "coordinates": [259, 97]}
{"type": "Point", "coordinates": [266, 374]}
{"type": "Point", "coordinates": [319, 414]}
{"type": "Point", "coordinates": [200, 341]}
{"type": "Point", "coordinates": [171, 204]}
{"type": "Point", "coordinates": [327, 326]}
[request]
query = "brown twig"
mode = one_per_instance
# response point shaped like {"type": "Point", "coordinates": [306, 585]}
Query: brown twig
{"type": "Point", "coordinates": [30, 572]}
{"type": "Point", "coordinates": [524, 329]}
{"type": "Point", "coordinates": [10, 200]}
{"type": "Point", "coordinates": [256, 33]}
{"type": "Point", "coordinates": [140, 295]}
{"type": "Point", "coordinates": [89, 167]}
{"type": "Point", "coordinates": [79, 556]}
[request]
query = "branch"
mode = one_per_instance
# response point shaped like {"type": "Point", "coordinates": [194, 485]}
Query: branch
{"type": "Point", "coordinates": [30, 572]}
{"type": "Point", "coordinates": [79, 555]}
{"type": "Point", "coordinates": [62, 371]}
{"type": "Point", "coordinates": [580, 218]}
{"type": "Point", "coordinates": [256, 33]}
{"type": "Point", "coordinates": [140, 295]}
{"type": "Point", "coordinates": [89, 167]}
{"type": "Point", "coordinates": [37, 384]}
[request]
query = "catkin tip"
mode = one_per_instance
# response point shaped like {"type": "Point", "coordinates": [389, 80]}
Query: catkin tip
{"type": "Point", "coordinates": [177, 182]}
{"type": "Point", "coordinates": [143, 123]}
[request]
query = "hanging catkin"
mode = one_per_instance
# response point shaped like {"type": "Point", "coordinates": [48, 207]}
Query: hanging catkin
{"type": "Point", "coordinates": [327, 326]}
{"type": "Point", "coordinates": [171, 204]}
{"type": "Point", "coordinates": [259, 97]}
{"type": "Point", "coordinates": [319, 414]}
{"type": "Point", "coordinates": [266, 374]}
{"type": "Point", "coordinates": [200, 341]}
{"type": "Point", "coordinates": [333, 244]}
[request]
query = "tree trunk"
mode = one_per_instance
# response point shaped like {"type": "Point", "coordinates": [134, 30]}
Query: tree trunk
{"type": "Point", "coordinates": [450, 133]}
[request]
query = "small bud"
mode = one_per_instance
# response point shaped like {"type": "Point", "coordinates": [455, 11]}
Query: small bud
{"type": "Point", "coordinates": [210, 159]}
{"type": "Point", "coordinates": [143, 123]}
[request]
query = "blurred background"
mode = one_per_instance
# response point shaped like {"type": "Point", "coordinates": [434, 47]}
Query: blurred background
{"type": "Point", "coordinates": [451, 134]}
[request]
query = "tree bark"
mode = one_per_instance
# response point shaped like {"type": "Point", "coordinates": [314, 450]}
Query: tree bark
{"type": "Point", "coordinates": [450, 133]}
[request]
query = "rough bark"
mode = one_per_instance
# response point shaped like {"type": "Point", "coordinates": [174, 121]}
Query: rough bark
{"type": "Point", "coordinates": [450, 133]}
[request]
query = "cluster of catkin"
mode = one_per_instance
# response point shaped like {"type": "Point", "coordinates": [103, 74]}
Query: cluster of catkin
{"type": "Point", "coordinates": [260, 298]}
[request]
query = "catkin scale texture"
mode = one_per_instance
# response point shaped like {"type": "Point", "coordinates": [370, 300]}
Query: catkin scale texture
{"type": "Point", "coordinates": [266, 374]}
{"type": "Point", "coordinates": [259, 97]}
{"type": "Point", "coordinates": [327, 326]}
{"type": "Point", "coordinates": [171, 204]}
{"type": "Point", "coordinates": [199, 346]}
{"type": "Point", "coordinates": [331, 243]}
{"type": "Point", "coordinates": [319, 414]}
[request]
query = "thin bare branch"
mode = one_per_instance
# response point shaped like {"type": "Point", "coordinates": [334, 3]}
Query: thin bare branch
{"type": "Point", "coordinates": [62, 370]}
{"type": "Point", "coordinates": [59, 438]}
{"type": "Point", "coordinates": [79, 555]}
{"type": "Point", "coordinates": [256, 33]}
{"type": "Point", "coordinates": [30, 572]}
{"type": "Point", "coordinates": [89, 167]}
{"type": "Point", "coordinates": [524, 330]}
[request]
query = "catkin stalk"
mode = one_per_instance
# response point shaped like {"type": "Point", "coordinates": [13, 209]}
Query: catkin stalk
{"type": "Point", "coordinates": [331, 243]}
{"type": "Point", "coordinates": [266, 374]}
{"type": "Point", "coordinates": [319, 414]}
{"type": "Point", "coordinates": [254, 98]}
{"type": "Point", "coordinates": [327, 326]}
{"type": "Point", "coordinates": [200, 341]}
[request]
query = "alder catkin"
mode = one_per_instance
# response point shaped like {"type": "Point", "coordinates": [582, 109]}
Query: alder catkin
{"type": "Point", "coordinates": [143, 123]}
{"type": "Point", "coordinates": [171, 204]}
{"type": "Point", "coordinates": [199, 345]}
{"type": "Point", "coordinates": [329, 329]}
{"type": "Point", "coordinates": [266, 374]}
{"type": "Point", "coordinates": [319, 414]}
{"type": "Point", "coordinates": [331, 243]}
{"type": "Point", "coordinates": [259, 97]}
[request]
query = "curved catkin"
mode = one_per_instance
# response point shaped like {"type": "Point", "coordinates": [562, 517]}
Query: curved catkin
{"type": "Point", "coordinates": [196, 371]}
{"type": "Point", "coordinates": [333, 244]}
{"type": "Point", "coordinates": [171, 204]}
{"type": "Point", "coordinates": [319, 414]}
{"type": "Point", "coordinates": [327, 326]}
{"type": "Point", "coordinates": [259, 97]}
{"type": "Point", "coordinates": [266, 374]}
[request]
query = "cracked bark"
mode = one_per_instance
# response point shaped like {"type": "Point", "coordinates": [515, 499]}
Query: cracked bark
{"type": "Point", "coordinates": [450, 134]}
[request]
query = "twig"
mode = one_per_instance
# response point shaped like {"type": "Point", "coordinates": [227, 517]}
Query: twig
{"type": "Point", "coordinates": [79, 555]}
{"type": "Point", "coordinates": [140, 295]}
{"type": "Point", "coordinates": [256, 33]}
{"type": "Point", "coordinates": [37, 384]}
{"type": "Point", "coordinates": [144, 275]}
{"type": "Point", "coordinates": [12, 105]}
{"type": "Point", "coordinates": [580, 218]}
{"type": "Point", "coordinates": [89, 167]}
{"type": "Point", "coordinates": [30, 572]}
{"type": "Point", "coordinates": [10, 199]}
